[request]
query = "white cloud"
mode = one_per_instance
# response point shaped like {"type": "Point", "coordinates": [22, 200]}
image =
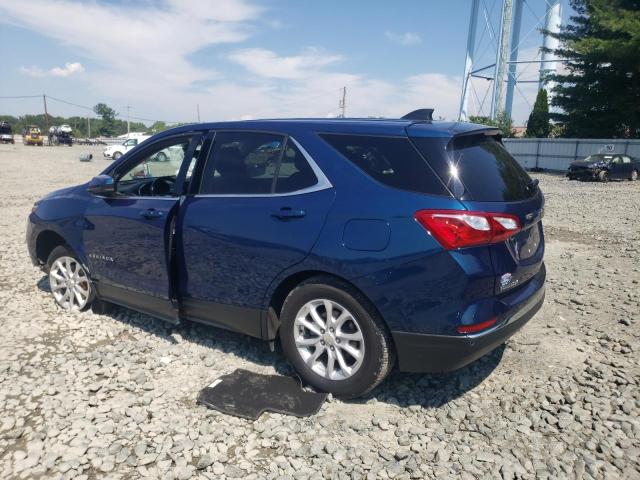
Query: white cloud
{"type": "Point", "coordinates": [68, 70]}
{"type": "Point", "coordinates": [139, 48]}
{"type": "Point", "coordinates": [32, 71]}
{"type": "Point", "coordinates": [268, 64]}
{"type": "Point", "coordinates": [406, 38]}
{"type": "Point", "coordinates": [141, 54]}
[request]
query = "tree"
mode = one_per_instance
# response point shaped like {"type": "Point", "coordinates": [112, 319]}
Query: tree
{"type": "Point", "coordinates": [538, 124]}
{"type": "Point", "coordinates": [108, 114]}
{"type": "Point", "coordinates": [502, 121]}
{"type": "Point", "coordinates": [598, 94]}
{"type": "Point", "coordinates": [158, 126]}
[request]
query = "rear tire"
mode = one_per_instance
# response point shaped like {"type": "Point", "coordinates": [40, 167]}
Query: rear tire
{"type": "Point", "coordinates": [355, 337]}
{"type": "Point", "coordinates": [71, 286]}
{"type": "Point", "coordinates": [634, 176]}
{"type": "Point", "coordinates": [603, 176]}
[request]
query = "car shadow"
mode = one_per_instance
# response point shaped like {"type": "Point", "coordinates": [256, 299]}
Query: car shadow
{"type": "Point", "coordinates": [399, 389]}
{"type": "Point", "coordinates": [208, 336]}
{"type": "Point", "coordinates": [431, 390]}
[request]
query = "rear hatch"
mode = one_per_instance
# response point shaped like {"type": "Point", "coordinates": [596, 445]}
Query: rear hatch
{"type": "Point", "coordinates": [479, 172]}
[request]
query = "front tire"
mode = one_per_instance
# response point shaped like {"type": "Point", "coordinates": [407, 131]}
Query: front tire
{"type": "Point", "coordinates": [334, 338]}
{"type": "Point", "coordinates": [70, 284]}
{"type": "Point", "coordinates": [117, 155]}
{"type": "Point", "coordinates": [634, 176]}
{"type": "Point", "coordinates": [603, 176]}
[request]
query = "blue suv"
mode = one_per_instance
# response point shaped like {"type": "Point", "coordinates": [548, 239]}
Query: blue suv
{"type": "Point", "coordinates": [359, 244]}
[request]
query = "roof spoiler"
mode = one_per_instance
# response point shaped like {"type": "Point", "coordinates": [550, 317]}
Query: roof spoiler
{"type": "Point", "coordinates": [421, 115]}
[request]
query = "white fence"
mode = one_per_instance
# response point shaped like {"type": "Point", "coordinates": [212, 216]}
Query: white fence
{"type": "Point", "coordinates": [558, 153]}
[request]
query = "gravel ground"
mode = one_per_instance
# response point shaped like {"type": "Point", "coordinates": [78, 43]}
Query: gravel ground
{"type": "Point", "coordinates": [113, 396]}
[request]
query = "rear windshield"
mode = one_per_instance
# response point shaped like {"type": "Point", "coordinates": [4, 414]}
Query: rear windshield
{"type": "Point", "coordinates": [477, 167]}
{"type": "Point", "coordinates": [392, 161]}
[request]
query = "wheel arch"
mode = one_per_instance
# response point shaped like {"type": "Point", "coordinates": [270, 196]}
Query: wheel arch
{"type": "Point", "coordinates": [46, 241]}
{"type": "Point", "coordinates": [287, 284]}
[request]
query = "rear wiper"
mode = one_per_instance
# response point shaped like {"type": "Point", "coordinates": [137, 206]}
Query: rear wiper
{"type": "Point", "coordinates": [533, 184]}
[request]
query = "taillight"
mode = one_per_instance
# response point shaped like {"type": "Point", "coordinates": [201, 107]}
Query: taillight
{"type": "Point", "coordinates": [476, 327]}
{"type": "Point", "coordinates": [460, 228]}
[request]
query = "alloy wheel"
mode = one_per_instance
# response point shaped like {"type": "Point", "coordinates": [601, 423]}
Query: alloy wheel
{"type": "Point", "coordinates": [70, 284]}
{"type": "Point", "coordinates": [329, 339]}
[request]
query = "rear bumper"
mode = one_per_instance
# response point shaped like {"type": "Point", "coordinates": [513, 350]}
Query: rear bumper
{"type": "Point", "coordinates": [442, 353]}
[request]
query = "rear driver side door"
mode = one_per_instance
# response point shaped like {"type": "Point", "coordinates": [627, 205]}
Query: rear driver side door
{"type": "Point", "coordinates": [258, 210]}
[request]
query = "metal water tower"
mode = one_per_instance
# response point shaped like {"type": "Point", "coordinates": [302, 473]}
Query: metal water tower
{"type": "Point", "coordinates": [493, 56]}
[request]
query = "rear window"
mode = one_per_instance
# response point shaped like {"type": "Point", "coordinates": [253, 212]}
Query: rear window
{"type": "Point", "coordinates": [477, 167]}
{"type": "Point", "coordinates": [392, 161]}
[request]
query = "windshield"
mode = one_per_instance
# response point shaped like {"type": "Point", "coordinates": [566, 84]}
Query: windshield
{"type": "Point", "coordinates": [598, 158]}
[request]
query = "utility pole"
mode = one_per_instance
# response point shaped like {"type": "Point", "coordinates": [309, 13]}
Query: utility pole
{"type": "Point", "coordinates": [502, 58]}
{"type": "Point", "coordinates": [513, 58]}
{"type": "Point", "coordinates": [46, 115]}
{"type": "Point", "coordinates": [198, 110]}
{"type": "Point", "coordinates": [128, 129]}
{"type": "Point", "coordinates": [342, 104]}
{"type": "Point", "coordinates": [548, 64]}
{"type": "Point", "coordinates": [89, 127]}
{"type": "Point", "coordinates": [468, 64]}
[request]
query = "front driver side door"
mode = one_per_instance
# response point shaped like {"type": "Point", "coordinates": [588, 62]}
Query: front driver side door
{"type": "Point", "coordinates": [126, 234]}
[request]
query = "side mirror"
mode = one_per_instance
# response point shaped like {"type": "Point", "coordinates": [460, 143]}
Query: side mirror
{"type": "Point", "coordinates": [103, 185]}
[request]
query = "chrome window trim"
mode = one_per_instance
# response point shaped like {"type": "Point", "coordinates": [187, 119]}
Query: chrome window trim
{"type": "Point", "coordinates": [323, 182]}
{"type": "Point", "coordinates": [119, 197]}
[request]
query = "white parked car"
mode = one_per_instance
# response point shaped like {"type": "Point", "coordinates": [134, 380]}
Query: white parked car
{"type": "Point", "coordinates": [116, 151]}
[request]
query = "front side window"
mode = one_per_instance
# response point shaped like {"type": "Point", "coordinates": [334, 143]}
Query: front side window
{"type": "Point", "coordinates": [131, 142]}
{"type": "Point", "coordinates": [242, 163]}
{"type": "Point", "coordinates": [155, 173]}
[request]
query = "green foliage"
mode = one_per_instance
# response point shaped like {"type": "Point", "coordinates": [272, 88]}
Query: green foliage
{"type": "Point", "coordinates": [502, 121]}
{"type": "Point", "coordinates": [108, 115]}
{"type": "Point", "coordinates": [158, 126]}
{"type": "Point", "coordinates": [538, 125]}
{"type": "Point", "coordinates": [599, 93]}
{"type": "Point", "coordinates": [78, 124]}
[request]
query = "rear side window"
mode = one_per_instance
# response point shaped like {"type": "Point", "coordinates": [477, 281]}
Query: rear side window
{"type": "Point", "coordinates": [242, 163]}
{"type": "Point", "coordinates": [294, 173]}
{"type": "Point", "coordinates": [392, 161]}
{"type": "Point", "coordinates": [477, 167]}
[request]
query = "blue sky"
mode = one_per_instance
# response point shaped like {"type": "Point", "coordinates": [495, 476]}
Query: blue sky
{"type": "Point", "coordinates": [245, 58]}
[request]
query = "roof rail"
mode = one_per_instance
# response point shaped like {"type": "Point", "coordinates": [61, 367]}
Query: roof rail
{"type": "Point", "coordinates": [422, 114]}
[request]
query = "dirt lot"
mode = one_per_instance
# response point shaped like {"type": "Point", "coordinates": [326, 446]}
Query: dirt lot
{"type": "Point", "coordinates": [90, 396]}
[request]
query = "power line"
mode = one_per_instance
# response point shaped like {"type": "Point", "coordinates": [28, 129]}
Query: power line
{"type": "Point", "coordinates": [85, 107]}
{"type": "Point", "coordinates": [20, 96]}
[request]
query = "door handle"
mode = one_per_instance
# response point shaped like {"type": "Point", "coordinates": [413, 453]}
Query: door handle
{"type": "Point", "coordinates": [287, 213]}
{"type": "Point", "coordinates": [151, 213]}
